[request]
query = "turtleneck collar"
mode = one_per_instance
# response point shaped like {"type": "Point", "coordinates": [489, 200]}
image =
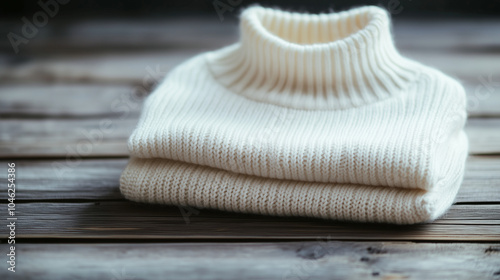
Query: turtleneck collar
{"type": "Point", "coordinates": [308, 61]}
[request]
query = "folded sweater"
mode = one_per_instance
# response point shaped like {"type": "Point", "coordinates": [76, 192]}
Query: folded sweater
{"type": "Point", "coordinates": [306, 115]}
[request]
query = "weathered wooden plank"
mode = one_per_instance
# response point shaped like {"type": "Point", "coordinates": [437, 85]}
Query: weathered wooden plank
{"type": "Point", "coordinates": [448, 35]}
{"type": "Point", "coordinates": [68, 101]}
{"type": "Point", "coordinates": [472, 67]}
{"type": "Point", "coordinates": [107, 136]}
{"type": "Point", "coordinates": [129, 220]}
{"type": "Point", "coordinates": [471, 214]}
{"type": "Point", "coordinates": [112, 67]}
{"type": "Point", "coordinates": [86, 179]}
{"type": "Point", "coordinates": [98, 179]}
{"type": "Point", "coordinates": [69, 138]}
{"type": "Point", "coordinates": [31, 100]}
{"type": "Point", "coordinates": [320, 259]}
{"type": "Point", "coordinates": [481, 181]}
{"type": "Point", "coordinates": [484, 136]}
{"type": "Point", "coordinates": [483, 97]}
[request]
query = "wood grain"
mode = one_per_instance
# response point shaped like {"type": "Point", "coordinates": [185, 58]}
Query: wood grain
{"type": "Point", "coordinates": [67, 100]}
{"type": "Point", "coordinates": [68, 138]}
{"type": "Point", "coordinates": [319, 259]}
{"type": "Point", "coordinates": [129, 220]}
{"type": "Point", "coordinates": [112, 68]}
{"type": "Point", "coordinates": [483, 98]}
{"type": "Point", "coordinates": [98, 179]}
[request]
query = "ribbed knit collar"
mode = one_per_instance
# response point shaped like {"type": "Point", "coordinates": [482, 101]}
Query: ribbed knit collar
{"type": "Point", "coordinates": [308, 61]}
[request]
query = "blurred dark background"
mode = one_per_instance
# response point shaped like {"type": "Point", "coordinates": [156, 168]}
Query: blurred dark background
{"type": "Point", "coordinates": [115, 40]}
{"type": "Point", "coordinates": [157, 9]}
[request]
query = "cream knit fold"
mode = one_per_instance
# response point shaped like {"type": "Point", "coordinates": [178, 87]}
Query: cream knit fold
{"type": "Point", "coordinates": [307, 115]}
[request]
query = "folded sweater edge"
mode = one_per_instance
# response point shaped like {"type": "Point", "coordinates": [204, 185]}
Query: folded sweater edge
{"type": "Point", "coordinates": [163, 181]}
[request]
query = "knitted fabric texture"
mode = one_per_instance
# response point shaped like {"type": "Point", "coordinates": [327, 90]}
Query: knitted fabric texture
{"type": "Point", "coordinates": [306, 115]}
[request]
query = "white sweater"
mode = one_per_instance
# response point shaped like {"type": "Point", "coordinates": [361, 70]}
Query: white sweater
{"type": "Point", "coordinates": [307, 115]}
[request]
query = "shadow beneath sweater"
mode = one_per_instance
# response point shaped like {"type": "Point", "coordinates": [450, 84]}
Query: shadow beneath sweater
{"type": "Point", "coordinates": [130, 220]}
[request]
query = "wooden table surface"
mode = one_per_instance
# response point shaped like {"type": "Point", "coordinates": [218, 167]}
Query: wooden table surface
{"type": "Point", "coordinates": [65, 86]}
